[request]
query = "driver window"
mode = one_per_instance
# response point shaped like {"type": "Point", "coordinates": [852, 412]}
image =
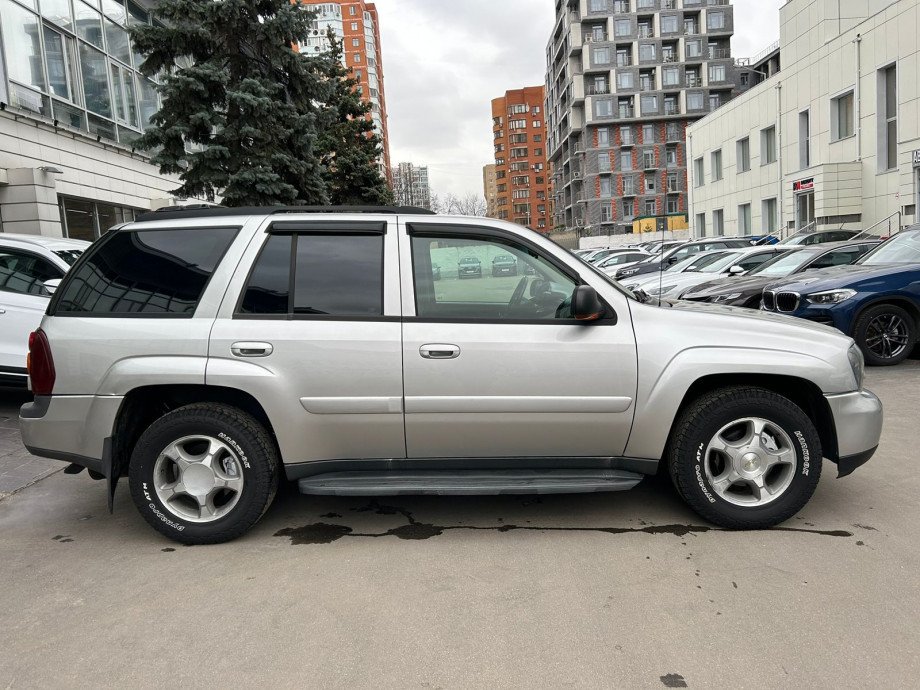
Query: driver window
{"type": "Point", "coordinates": [485, 278]}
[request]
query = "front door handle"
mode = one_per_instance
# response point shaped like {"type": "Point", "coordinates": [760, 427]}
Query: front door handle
{"type": "Point", "coordinates": [439, 351]}
{"type": "Point", "coordinates": [2, 310]}
{"type": "Point", "coordinates": [251, 349]}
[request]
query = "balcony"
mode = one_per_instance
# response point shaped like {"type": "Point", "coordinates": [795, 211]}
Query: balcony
{"type": "Point", "coordinates": [646, 32]}
{"type": "Point", "coordinates": [597, 89]}
{"type": "Point", "coordinates": [719, 53]}
{"type": "Point", "coordinates": [596, 38]}
{"type": "Point", "coordinates": [625, 112]}
{"type": "Point", "coordinates": [671, 109]}
{"type": "Point", "coordinates": [624, 61]}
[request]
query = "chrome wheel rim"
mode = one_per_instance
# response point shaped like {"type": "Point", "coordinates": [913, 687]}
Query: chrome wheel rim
{"type": "Point", "coordinates": [750, 462]}
{"type": "Point", "coordinates": [198, 478]}
{"type": "Point", "coordinates": [887, 336]}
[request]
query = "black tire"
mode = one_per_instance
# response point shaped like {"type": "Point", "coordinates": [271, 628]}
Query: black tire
{"type": "Point", "coordinates": [701, 421]}
{"type": "Point", "coordinates": [259, 467]}
{"type": "Point", "coordinates": [861, 334]}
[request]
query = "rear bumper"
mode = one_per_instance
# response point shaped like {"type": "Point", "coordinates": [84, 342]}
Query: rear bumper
{"type": "Point", "coordinates": [858, 421]}
{"type": "Point", "coordinates": [70, 428]}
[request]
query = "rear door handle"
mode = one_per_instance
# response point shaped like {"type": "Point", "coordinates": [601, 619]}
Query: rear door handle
{"type": "Point", "coordinates": [251, 349]}
{"type": "Point", "coordinates": [439, 351]}
{"type": "Point", "coordinates": [2, 310]}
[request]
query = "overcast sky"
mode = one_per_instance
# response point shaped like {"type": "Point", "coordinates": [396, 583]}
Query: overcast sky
{"type": "Point", "coordinates": [445, 60]}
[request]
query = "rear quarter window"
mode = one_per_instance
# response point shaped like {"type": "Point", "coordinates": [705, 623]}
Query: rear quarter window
{"type": "Point", "coordinates": [144, 273]}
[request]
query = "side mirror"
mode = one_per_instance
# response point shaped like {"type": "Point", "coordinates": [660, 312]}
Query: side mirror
{"type": "Point", "coordinates": [587, 304]}
{"type": "Point", "coordinates": [735, 271]}
{"type": "Point", "coordinates": [673, 260]}
{"type": "Point", "coordinates": [51, 286]}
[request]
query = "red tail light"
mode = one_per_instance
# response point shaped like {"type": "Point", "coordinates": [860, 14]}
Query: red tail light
{"type": "Point", "coordinates": [40, 363]}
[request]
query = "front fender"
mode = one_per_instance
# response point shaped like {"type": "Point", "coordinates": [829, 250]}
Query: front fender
{"type": "Point", "coordinates": [659, 398]}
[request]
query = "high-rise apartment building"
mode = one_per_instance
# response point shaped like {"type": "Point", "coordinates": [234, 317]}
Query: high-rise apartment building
{"type": "Point", "coordinates": [521, 175]}
{"type": "Point", "coordinates": [624, 80]}
{"type": "Point", "coordinates": [410, 185]}
{"type": "Point", "coordinates": [490, 189]}
{"type": "Point", "coordinates": [356, 23]}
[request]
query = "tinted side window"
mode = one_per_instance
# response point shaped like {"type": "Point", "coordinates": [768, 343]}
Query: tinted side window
{"type": "Point", "coordinates": [750, 262]}
{"type": "Point", "coordinates": [145, 272]}
{"type": "Point", "coordinates": [339, 275]}
{"type": "Point", "coordinates": [838, 257]}
{"type": "Point", "coordinates": [269, 287]}
{"type": "Point", "coordinates": [334, 275]}
{"type": "Point", "coordinates": [24, 273]}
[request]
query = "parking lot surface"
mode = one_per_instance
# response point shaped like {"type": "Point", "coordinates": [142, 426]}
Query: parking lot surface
{"type": "Point", "coordinates": [603, 590]}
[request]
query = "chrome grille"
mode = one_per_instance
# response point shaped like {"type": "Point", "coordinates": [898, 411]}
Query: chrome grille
{"type": "Point", "coordinates": [787, 301]}
{"type": "Point", "coordinates": [769, 301]}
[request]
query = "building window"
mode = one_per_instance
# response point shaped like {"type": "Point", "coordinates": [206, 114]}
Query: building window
{"type": "Point", "coordinates": [648, 134]}
{"type": "Point", "coordinates": [603, 137]}
{"type": "Point", "coordinates": [698, 172]}
{"type": "Point", "coordinates": [804, 139]}
{"type": "Point", "coordinates": [670, 76]}
{"type": "Point", "coordinates": [629, 186]}
{"type": "Point", "coordinates": [600, 56]}
{"type": "Point", "coordinates": [648, 160]}
{"type": "Point", "coordinates": [626, 161]}
{"type": "Point", "coordinates": [716, 73]}
{"type": "Point", "coordinates": [603, 108]}
{"type": "Point", "coordinates": [715, 19]}
{"type": "Point", "coordinates": [841, 117]}
{"type": "Point", "coordinates": [769, 218]}
{"type": "Point", "coordinates": [694, 100]}
{"type": "Point", "coordinates": [356, 42]}
{"type": "Point", "coordinates": [354, 26]}
{"type": "Point", "coordinates": [647, 52]}
{"type": "Point", "coordinates": [603, 162]}
{"type": "Point", "coordinates": [888, 118]}
{"type": "Point", "coordinates": [716, 164]}
{"type": "Point", "coordinates": [606, 214]}
{"type": "Point", "coordinates": [356, 58]}
{"type": "Point", "coordinates": [625, 80]}
{"type": "Point", "coordinates": [650, 207]}
{"type": "Point", "coordinates": [651, 185]}
{"type": "Point", "coordinates": [694, 48]}
{"type": "Point", "coordinates": [669, 24]}
{"type": "Point", "coordinates": [744, 155]}
{"type": "Point", "coordinates": [768, 145]}
{"type": "Point", "coordinates": [649, 104]}
{"type": "Point", "coordinates": [718, 222]}
{"type": "Point", "coordinates": [622, 27]}
{"type": "Point", "coordinates": [673, 205]}
{"type": "Point", "coordinates": [597, 6]}
{"type": "Point", "coordinates": [670, 154]}
{"type": "Point", "coordinates": [673, 183]}
{"type": "Point", "coordinates": [701, 225]}
{"type": "Point", "coordinates": [673, 131]}
{"type": "Point", "coordinates": [626, 135]}
{"type": "Point", "coordinates": [744, 219]}
{"type": "Point", "coordinates": [605, 187]}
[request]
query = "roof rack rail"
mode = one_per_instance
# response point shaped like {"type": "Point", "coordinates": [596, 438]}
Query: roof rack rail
{"type": "Point", "coordinates": [204, 211]}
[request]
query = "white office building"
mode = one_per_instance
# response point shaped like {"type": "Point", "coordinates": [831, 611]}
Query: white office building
{"type": "Point", "coordinates": [832, 140]}
{"type": "Point", "coordinates": [71, 103]}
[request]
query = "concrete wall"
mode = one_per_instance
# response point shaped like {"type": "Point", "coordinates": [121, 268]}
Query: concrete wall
{"type": "Point", "coordinates": [101, 171]}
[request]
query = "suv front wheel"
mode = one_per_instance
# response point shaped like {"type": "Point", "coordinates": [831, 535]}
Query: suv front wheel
{"type": "Point", "coordinates": [204, 473]}
{"type": "Point", "coordinates": [745, 458]}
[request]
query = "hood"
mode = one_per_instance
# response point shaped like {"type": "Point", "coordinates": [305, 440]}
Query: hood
{"type": "Point", "coordinates": [849, 277]}
{"type": "Point", "coordinates": [755, 317]}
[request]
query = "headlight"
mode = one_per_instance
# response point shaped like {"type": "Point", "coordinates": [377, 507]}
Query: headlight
{"type": "Point", "coordinates": [858, 364]}
{"type": "Point", "coordinates": [718, 299]}
{"type": "Point", "coordinates": [830, 297]}
{"type": "Point", "coordinates": [660, 291]}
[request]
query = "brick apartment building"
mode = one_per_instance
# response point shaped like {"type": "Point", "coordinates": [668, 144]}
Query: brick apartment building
{"type": "Point", "coordinates": [521, 175]}
{"type": "Point", "coordinates": [490, 189]}
{"type": "Point", "coordinates": [357, 23]}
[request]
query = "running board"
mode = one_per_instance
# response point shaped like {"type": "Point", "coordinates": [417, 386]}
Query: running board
{"type": "Point", "coordinates": [468, 482]}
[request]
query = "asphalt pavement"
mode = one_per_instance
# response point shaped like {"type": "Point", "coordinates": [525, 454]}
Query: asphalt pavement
{"type": "Point", "coordinates": [606, 590]}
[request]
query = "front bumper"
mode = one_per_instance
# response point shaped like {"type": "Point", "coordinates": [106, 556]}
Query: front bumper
{"type": "Point", "coordinates": [858, 422]}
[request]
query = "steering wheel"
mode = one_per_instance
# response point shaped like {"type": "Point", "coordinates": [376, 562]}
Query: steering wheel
{"type": "Point", "coordinates": [518, 293]}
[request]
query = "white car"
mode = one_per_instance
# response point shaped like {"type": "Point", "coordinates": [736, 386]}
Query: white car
{"type": "Point", "coordinates": [692, 263]}
{"type": "Point", "coordinates": [31, 266]}
{"type": "Point", "coordinates": [736, 262]}
{"type": "Point", "coordinates": [612, 263]}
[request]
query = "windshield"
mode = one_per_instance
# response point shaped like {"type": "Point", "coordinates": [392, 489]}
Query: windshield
{"type": "Point", "coordinates": [785, 264]}
{"type": "Point", "coordinates": [723, 264]}
{"type": "Point", "coordinates": [69, 255]}
{"type": "Point", "coordinates": [900, 249]}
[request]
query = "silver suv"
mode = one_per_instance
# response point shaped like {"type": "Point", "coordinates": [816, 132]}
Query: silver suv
{"type": "Point", "coordinates": [204, 354]}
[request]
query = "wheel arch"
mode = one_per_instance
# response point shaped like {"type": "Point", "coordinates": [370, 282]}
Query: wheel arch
{"type": "Point", "coordinates": [143, 405]}
{"type": "Point", "coordinates": [894, 299]}
{"type": "Point", "coordinates": [804, 393]}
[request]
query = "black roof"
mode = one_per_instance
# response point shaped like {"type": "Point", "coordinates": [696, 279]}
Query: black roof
{"type": "Point", "coordinates": [206, 211]}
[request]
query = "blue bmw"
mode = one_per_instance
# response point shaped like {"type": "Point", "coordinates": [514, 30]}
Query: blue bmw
{"type": "Point", "coordinates": [876, 300]}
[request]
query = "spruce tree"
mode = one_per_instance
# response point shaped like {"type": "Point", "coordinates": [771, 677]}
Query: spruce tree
{"type": "Point", "coordinates": [350, 147]}
{"type": "Point", "coordinates": [241, 107]}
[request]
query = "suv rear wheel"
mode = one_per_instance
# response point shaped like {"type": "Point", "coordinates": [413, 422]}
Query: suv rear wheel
{"type": "Point", "coordinates": [204, 473]}
{"type": "Point", "coordinates": [745, 458]}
